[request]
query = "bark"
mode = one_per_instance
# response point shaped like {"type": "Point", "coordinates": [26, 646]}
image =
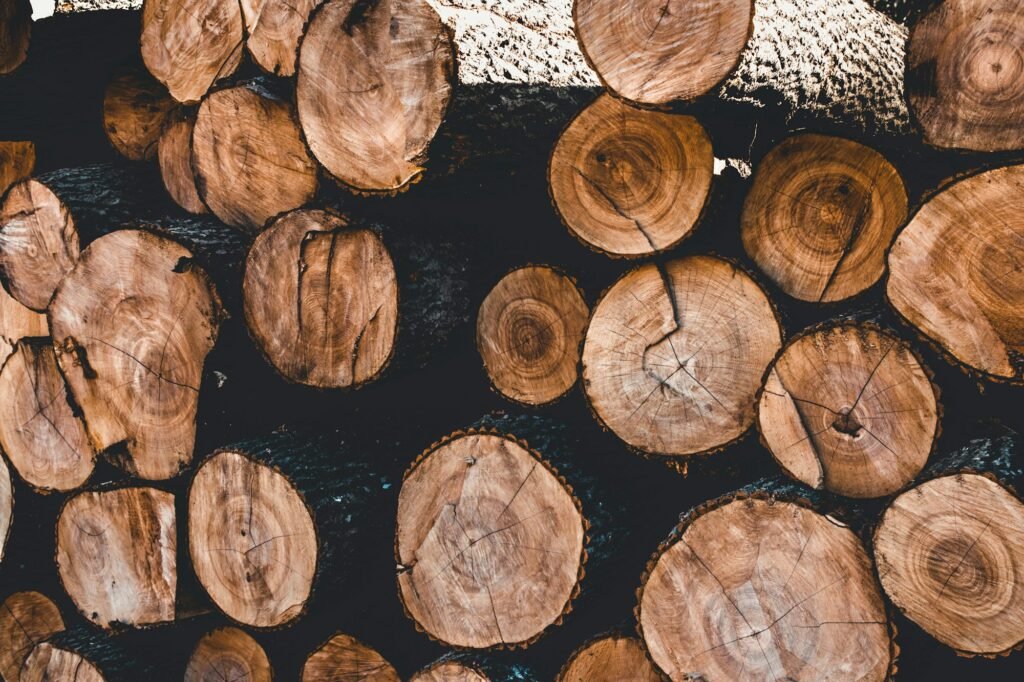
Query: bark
{"type": "Point", "coordinates": [26, 618]}
{"type": "Point", "coordinates": [17, 160]}
{"type": "Point", "coordinates": [86, 655]}
{"type": "Point", "coordinates": [344, 657]}
{"type": "Point", "coordinates": [609, 658]}
{"type": "Point", "coordinates": [228, 654]}
{"type": "Point", "coordinates": [135, 108]}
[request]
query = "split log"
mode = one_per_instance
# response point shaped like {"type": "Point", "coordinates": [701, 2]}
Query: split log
{"type": "Point", "coordinates": [228, 654]}
{"type": "Point", "coordinates": [85, 655]}
{"type": "Point", "coordinates": [15, 34]}
{"type": "Point", "coordinates": [472, 666]}
{"type": "Point", "coordinates": [273, 31]}
{"type": "Point", "coordinates": [17, 161]}
{"type": "Point", "coordinates": [815, 605]}
{"type": "Point", "coordinates": [374, 80]}
{"type": "Point", "coordinates": [654, 52]}
{"type": "Point", "coordinates": [947, 552]}
{"type": "Point", "coordinates": [675, 354]}
{"type": "Point", "coordinates": [965, 76]}
{"type": "Point", "coordinates": [529, 332]}
{"type": "Point", "coordinates": [135, 107]}
{"type": "Point", "coordinates": [321, 299]}
{"type": "Point", "coordinates": [343, 657]}
{"type": "Point", "coordinates": [249, 159]}
{"type": "Point", "coordinates": [26, 618]}
{"type": "Point", "coordinates": [132, 324]}
{"type": "Point", "coordinates": [820, 215]}
{"type": "Point", "coordinates": [174, 152]}
{"type": "Point", "coordinates": [851, 409]}
{"type": "Point", "coordinates": [954, 273]}
{"type": "Point", "coordinates": [6, 506]}
{"type": "Point", "coordinates": [188, 46]}
{"type": "Point", "coordinates": [631, 182]}
{"type": "Point", "coordinates": [609, 659]}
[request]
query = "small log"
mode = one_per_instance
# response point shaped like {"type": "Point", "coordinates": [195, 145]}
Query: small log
{"type": "Point", "coordinates": [609, 659]}
{"type": "Point", "coordinates": [321, 299]}
{"type": "Point", "coordinates": [135, 107]}
{"type": "Point", "coordinates": [273, 31]}
{"type": "Point", "coordinates": [820, 215]}
{"type": "Point", "coordinates": [450, 671]}
{"type": "Point", "coordinates": [15, 34]}
{"type": "Point", "coordinates": [6, 505]}
{"type": "Point", "coordinates": [654, 52]}
{"type": "Point", "coordinates": [249, 159]}
{"type": "Point", "coordinates": [964, 76]}
{"type": "Point", "coordinates": [85, 655]}
{"type": "Point", "coordinates": [953, 272]}
{"type": "Point", "coordinates": [675, 354]}
{"type": "Point", "coordinates": [343, 657]}
{"type": "Point", "coordinates": [813, 604]}
{"type": "Point", "coordinates": [374, 81]}
{"type": "Point", "coordinates": [26, 618]}
{"type": "Point", "coordinates": [472, 666]}
{"type": "Point", "coordinates": [228, 654]}
{"type": "Point", "coordinates": [849, 408]}
{"type": "Point", "coordinates": [529, 332]}
{"type": "Point", "coordinates": [174, 153]}
{"type": "Point", "coordinates": [17, 161]}
{"type": "Point", "coordinates": [630, 182]}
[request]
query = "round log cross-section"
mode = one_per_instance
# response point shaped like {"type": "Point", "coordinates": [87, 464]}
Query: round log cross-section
{"type": "Point", "coordinates": [950, 554]}
{"type": "Point", "coordinates": [274, 29]}
{"type": "Point", "coordinates": [228, 654]}
{"type": "Point", "coordinates": [483, 520]}
{"type": "Point", "coordinates": [674, 355]}
{"type": "Point", "coordinates": [343, 657]}
{"type": "Point", "coordinates": [47, 662]}
{"type": "Point", "coordinates": [630, 182]}
{"type": "Point", "coordinates": [26, 618]}
{"type": "Point", "coordinates": [764, 589]}
{"type": "Point", "coordinates": [850, 409]}
{"type": "Point", "coordinates": [820, 216]}
{"type": "Point", "coordinates": [653, 51]}
{"type": "Point", "coordinates": [374, 80]}
{"type": "Point", "coordinates": [17, 161]}
{"type": "Point", "coordinates": [252, 540]}
{"type": "Point", "coordinates": [450, 671]}
{"type": "Point", "coordinates": [135, 108]}
{"type": "Point", "coordinates": [610, 659]}
{"type": "Point", "coordinates": [15, 35]}
{"type": "Point", "coordinates": [321, 299]}
{"type": "Point", "coordinates": [174, 153]}
{"type": "Point", "coordinates": [529, 332]}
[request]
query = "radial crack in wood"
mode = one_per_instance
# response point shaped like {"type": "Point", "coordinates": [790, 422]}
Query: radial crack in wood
{"type": "Point", "coordinates": [174, 153]}
{"type": "Point", "coordinates": [343, 657]}
{"type": "Point", "coordinates": [26, 618]}
{"type": "Point", "coordinates": [17, 161]}
{"type": "Point", "coordinates": [273, 31]}
{"type": "Point", "coordinates": [610, 659]}
{"type": "Point", "coordinates": [228, 655]}
{"type": "Point", "coordinates": [135, 107]}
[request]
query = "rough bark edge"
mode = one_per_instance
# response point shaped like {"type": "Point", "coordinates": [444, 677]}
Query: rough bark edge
{"type": "Point", "coordinates": [612, 634]}
{"type": "Point", "coordinates": [320, 647]}
{"type": "Point", "coordinates": [222, 628]}
{"type": "Point", "coordinates": [573, 593]}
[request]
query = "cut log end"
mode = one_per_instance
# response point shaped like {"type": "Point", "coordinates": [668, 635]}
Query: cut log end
{"type": "Point", "coordinates": [274, 29]}
{"type": "Point", "coordinates": [529, 332]}
{"type": "Point", "coordinates": [174, 153]}
{"type": "Point", "coordinates": [15, 35]}
{"type": "Point", "coordinates": [17, 161]}
{"type": "Point", "coordinates": [135, 107]}
{"type": "Point", "coordinates": [631, 182]}
{"type": "Point", "coordinates": [228, 654]}
{"type": "Point", "coordinates": [48, 662]}
{"type": "Point", "coordinates": [6, 505]}
{"type": "Point", "coordinates": [18, 322]}
{"type": "Point", "coordinates": [480, 519]}
{"type": "Point", "coordinates": [343, 657]}
{"type": "Point", "coordinates": [610, 659]}
{"type": "Point", "coordinates": [450, 671]}
{"type": "Point", "coordinates": [26, 618]}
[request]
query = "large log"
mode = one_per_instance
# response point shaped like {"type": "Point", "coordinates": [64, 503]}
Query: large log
{"type": "Point", "coordinates": [26, 618]}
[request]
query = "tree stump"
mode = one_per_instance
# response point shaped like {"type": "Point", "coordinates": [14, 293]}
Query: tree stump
{"type": "Point", "coordinates": [174, 153]}
{"type": "Point", "coordinates": [820, 215]}
{"type": "Point", "coordinates": [321, 299]}
{"type": "Point", "coordinates": [674, 355]}
{"type": "Point", "coordinates": [529, 332]}
{"type": "Point", "coordinates": [343, 657]}
{"type": "Point", "coordinates": [630, 182]}
{"type": "Point", "coordinates": [374, 80]}
{"type": "Point", "coordinates": [609, 659]}
{"type": "Point", "coordinates": [135, 107]}
{"type": "Point", "coordinates": [26, 618]}
{"type": "Point", "coordinates": [228, 654]}
{"type": "Point", "coordinates": [15, 35]}
{"type": "Point", "coordinates": [17, 161]}
{"type": "Point", "coordinates": [273, 31]}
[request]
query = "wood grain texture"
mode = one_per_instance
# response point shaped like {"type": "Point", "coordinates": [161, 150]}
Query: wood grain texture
{"type": "Point", "coordinates": [26, 618]}
{"type": "Point", "coordinates": [15, 34]}
{"type": "Point", "coordinates": [174, 154]}
{"type": "Point", "coordinates": [450, 671]}
{"type": "Point", "coordinates": [48, 662]}
{"type": "Point", "coordinates": [228, 655]}
{"type": "Point", "coordinates": [18, 322]}
{"type": "Point", "coordinates": [274, 29]}
{"type": "Point", "coordinates": [610, 659]}
{"type": "Point", "coordinates": [6, 506]}
{"type": "Point", "coordinates": [343, 657]}
{"type": "Point", "coordinates": [17, 161]}
{"type": "Point", "coordinates": [135, 107]}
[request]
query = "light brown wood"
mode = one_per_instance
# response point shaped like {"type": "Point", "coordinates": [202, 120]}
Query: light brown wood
{"type": "Point", "coordinates": [764, 590]}
{"type": "Point", "coordinates": [610, 659]}
{"type": "Point", "coordinates": [489, 542]}
{"type": "Point", "coordinates": [132, 325]}
{"type": "Point", "coordinates": [274, 29]}
{"type": "Point", "coordinates": [26, 618]}
{"type": "Point", "coordinates": [529, 332]}
{"type": "Point", "coordinates": [40, 433]}
{"type": "Point", "coordinates": [965, 74]}
{"type": "Point", "coordinates": [343, 657]}
{"type": "Point", "coordinates": [228, 654]}
{"type": "Point", "coordinates": [374, 80]}
{"type": "Point", "coordinates": [851, 409]}
{"type": "Point", "coordinates": [135, 107]}
{"type": "Point", "coordinates": [450, 671]}
{"type": "Point", "coordinates": [17, 322]}
{"type": "Point", "coordinates": [174, 152]}
{"type": "Point", "coordinates": [321, 299]}
{"type": "Point", "coordinates": [820, 215]}
{"type": "Point", "coordinates": [117, 555]}
{"type": "Point", "coordinates": [15, 35]}
{"type": "Point", "coordinates": [38, 243]}
{"type": "Point", "coordinates": [249, 159]}
{"type": "Point", "coordinates": [631, 182]}
{"type": "Point", "coordinates": [17, 161]}
{"type": "Point", "coordinates": [190, 44]}
{"type": "Point", "coordinates": [656, 51]}
{"type": "Point", "coordinates": [6, 505]}
{"type": "Point", "coordinates": [48, 662]}
{"type": "Point", "coordinates": [954, 273]}
{"type": "Point", "coordinates": [252, 540]}
{"type": "Point", "coordinates": [949, 553]}
{"type": "Point", "coordinates": [675, 354]}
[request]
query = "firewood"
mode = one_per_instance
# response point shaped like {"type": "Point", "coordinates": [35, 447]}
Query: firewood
{"type": "Point", "coordinates": [820, 215]}
{"type": "Point", "coordinates": [450, 671]}
{"type": "Point", "coordinates": [273, 31]}
{"type": "Point", "coordinates": [953, 272]}
{"type": "Point", "coordinates": [174, 152]}
{"type": "Point", "coordinates": [38, 243]}
{"type": "Point", "coordinates": [228, 654]}
{"type": "Point", "coordinates": [343, 657]}
{"type": "Point", "coordinates": [814, 604]}
{"type": "Point", "coordinates": [6, 505]}
{"type": "Point", "coordinates": [132, 324]}
{"type": "Point", "coordinates": [249, 159]}
{"type": "Point", "coordinates": [529, 332]}
{"type": "Point", "coordinates": [630, 182]}
{"type": "Point", "coordinates": [188, 46]}
{"type": "Point", "coordinates": [849, 408]}
{"type": "Point", "coordinates": [654, 52]}
{"type": "Point", "coordinates": [26, 618]}
{"type": "Point", "coordinates": [15, 34]}
{"type": "Point", "coordinates": [964, 77]}
{"type": "Point", "coordinates": [474, 666]}
{"type": "Point", "coordinates": [135, 107]}
{"type": "Point", "coordinates": [321, 299]}
{"type": "Point", "coordinates": [946, 552]}
{"type": "Point", "coordinates": [84, 654]}
{"type": "Point", "coordinates": [675, 354]}
{"type": "Point", "coordinates": [608, 659]}
{"type": "Point", "coordinates": [40, 431]}
{"type": "Point", "coordinates": [17, 161]}
{"type": "Point", "coordinates": [374, 80]}
{"type": "Point", "coordinates": [17, 322]}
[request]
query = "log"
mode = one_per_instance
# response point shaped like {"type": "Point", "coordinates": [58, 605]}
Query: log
{"type": "Point", "coordinates": [17, 161]}
{"type": "Point", "coordinates": [630, 182]}
{"type": "Point", "coordinates": [964, 77]}
{"type": "Point", "coordinates": [321, 299]}
{"type": "Point", "coordinates": [343, 657]}
{"type": "Point", "coordinates": [820, 215]}
{"type": "Point", "coordinates": [15, 34]}
{"type": "Point", "coordinates": [135, 107]}
{"type": "Point", "coordinates": [953, 272]}
{"type": "Point", "coordinates": [850, 408]}
{"type": "Point", "coordinates": [675, 354]}
{"type": "Point", "coordinates": [528, 333]}
{"type": "Point", "coordinates": [26, 619]}
{"type": "Point", "coordinates": [174, 153]}
{"type": "Point", "coordinates": [85, 655]}
{"type": "Point", "coordinates": [6, 506]}
{"type": "Point", "coordinates": [249, 159]}
{"type": "Point", "coordinates": [610, 658]}
{"type": "Point", "coordinates": [374, 80]}
{"type": "Point", "coordinates": [813, 608]}
{"type": "Point", "coordinates": [472, 666]}
{"type": "Point", "coordinates": [228, 654]}
{"type": "Point", "coordinates": [17, 322]}
{"type": "Point", "coordinates": [273, 30]}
